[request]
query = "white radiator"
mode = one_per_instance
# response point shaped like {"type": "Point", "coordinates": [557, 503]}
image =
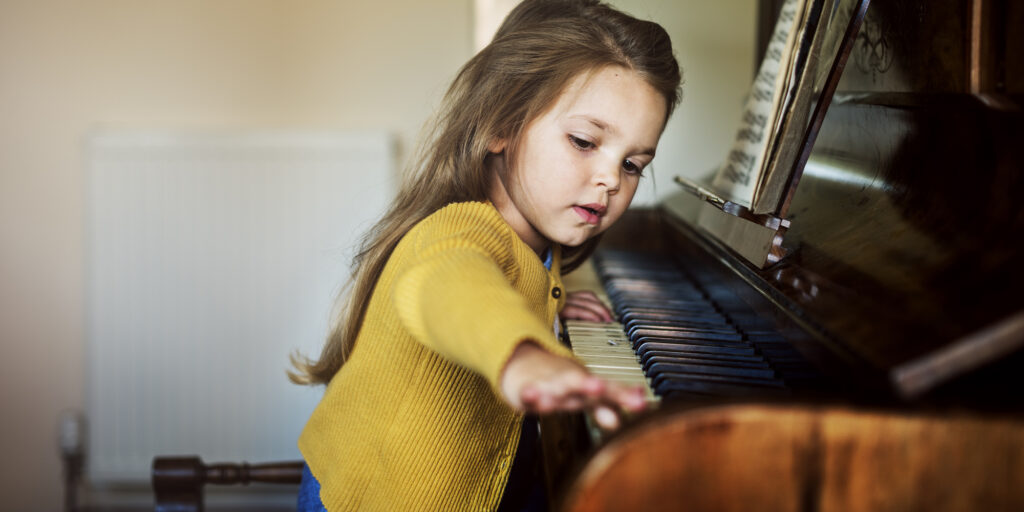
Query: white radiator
{"type": "Point", "coordinates": [209, 259]}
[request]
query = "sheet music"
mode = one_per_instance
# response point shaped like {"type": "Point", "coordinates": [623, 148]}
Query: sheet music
{"type": "Point", "coordinates": [807, 77]}
{"type": "Point", "coordinates": [757, 174]}
{"type": "Point", "coordinates": [739, 176]}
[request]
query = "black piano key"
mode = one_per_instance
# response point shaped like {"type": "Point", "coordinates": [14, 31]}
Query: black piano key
{"type": "Point", "coordinates": [674, 315]}
{"type": "Point", "coordinates": [650, 346]}
{"type": "Point", "coordinates": [693, 323]}
{"type": "Point", "coordinates": [684, 389]}
{"type": "Point", "coordinates": [639, 343]}
{"type": "Point", "coordinates": [691, 333]}
{"type": "Point", "coordinates": [624, 307]}
{"type": "Point", "coordinates": [649, 354]}
{"type": "Point", "coordinates": [637, 323]}
{"type": "Point", "coordinates": [685, 332]}
{"type": "Point", "coordinates": [651, 360]}
{"type": "Point", "coordinates": [687, 397]}
{"type": "Point", "coordinates": [629, 314]}
{"type": "Point", "coordinates": [648, 283]}
{"type": "Point", "coordinates": [663, 304]}
{"type": "Point", "coordinates": [754, 373]}
{"type": "Point", "coordinates": [665, 381]}
{"type": "Point", "coordinates": [668, 315]}
{"type": "Point", "coordinates": [650, 297]}
{"type": "Point", "coordinates": [676, 287]}
{"type": "Point", "coordinates": [679, 334]}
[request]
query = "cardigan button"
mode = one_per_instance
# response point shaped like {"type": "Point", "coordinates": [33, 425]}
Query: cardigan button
{"type": "Point", "coordinates": [556, 292]}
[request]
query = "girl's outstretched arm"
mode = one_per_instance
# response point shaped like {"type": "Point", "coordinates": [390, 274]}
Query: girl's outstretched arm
{"type": "Point", "coordinates": [537, 381]}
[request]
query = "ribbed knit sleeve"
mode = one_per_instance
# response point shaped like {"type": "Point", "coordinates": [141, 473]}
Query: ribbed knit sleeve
{"type": "Point", "coordinates": [456, 297]}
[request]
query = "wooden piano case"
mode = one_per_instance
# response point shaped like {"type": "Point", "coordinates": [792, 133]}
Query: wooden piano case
{"type": "Point", "coordinates": [901, 283]}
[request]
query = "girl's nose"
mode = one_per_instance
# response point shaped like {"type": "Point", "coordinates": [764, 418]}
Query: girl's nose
{"type": "Point", "coordinates": [607, 173]}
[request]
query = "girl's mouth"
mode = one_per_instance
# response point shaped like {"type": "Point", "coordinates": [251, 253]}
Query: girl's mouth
{"type": "Point", "coordinates": [591, 214]}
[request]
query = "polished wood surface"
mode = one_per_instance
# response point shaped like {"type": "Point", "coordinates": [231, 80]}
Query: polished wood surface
{"type": "Point", "coordinates": [796, 458]}
{"type": "Point", "coordinates": [909, 212]}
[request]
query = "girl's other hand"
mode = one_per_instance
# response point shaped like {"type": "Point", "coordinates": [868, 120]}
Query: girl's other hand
{"type": "Point", "coordinates": [584, 305]}
{"type": "Point", "coordinates": [537, 381]}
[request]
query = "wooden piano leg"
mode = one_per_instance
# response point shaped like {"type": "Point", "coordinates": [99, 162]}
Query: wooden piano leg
{"type": "Point", "coordinates": [758, 457]}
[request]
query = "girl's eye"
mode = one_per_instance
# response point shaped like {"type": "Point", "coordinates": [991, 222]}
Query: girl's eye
{"type": "Point", "coordinates": [581, 144]}
{"type": "Point", "coordinates": [632, 168]}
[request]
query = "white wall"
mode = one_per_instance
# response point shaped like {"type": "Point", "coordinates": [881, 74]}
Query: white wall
{"type": "Point", "coordinates": [69, 67]}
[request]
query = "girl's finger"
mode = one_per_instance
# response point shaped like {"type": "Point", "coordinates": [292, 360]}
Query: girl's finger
{"type": "Point", "coordinates": [600, 308]}
{"type": "Point", "coordinates": [573, 312]}
{"type": "Point", "coordinates": [596, 307]}
{"type": "Point", "coordinates": [584, 297]}
{"type": "Point", "coordinates": [545, 403]}
{"type": "Point", "coordinates": [584, 294]}
{"type": "Point", "coordinates": [572, 403]}
{"type": "Point", "coordinates": [606, 417]}
{"type": "Point", "coordinates": [631, 399]}
{"type": "Point", "coordinates": [528, 397]}
{"type": "Point", "coordinates": [593, 387]}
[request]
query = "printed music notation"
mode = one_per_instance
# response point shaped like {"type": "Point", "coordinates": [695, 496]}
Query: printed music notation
{"type": "Point", "coordinates": [775, 117]}
{"type": "Point", "coordinates": [744, 204]}
{"type": "Point", "coordinates": [739, 174]}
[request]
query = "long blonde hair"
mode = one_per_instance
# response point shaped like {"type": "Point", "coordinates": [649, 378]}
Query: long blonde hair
{"type": "Point", "coordinates": [539, 48]}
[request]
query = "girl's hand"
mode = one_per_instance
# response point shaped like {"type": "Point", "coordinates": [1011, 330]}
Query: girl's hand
{"type": "Point", "coordinates": [537, 381]}
{"type": "Point", "coordinates": [584, 305]}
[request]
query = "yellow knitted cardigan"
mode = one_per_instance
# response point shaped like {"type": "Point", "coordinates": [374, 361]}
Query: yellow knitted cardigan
{"type": "Point", "coordinates": [414, 419]}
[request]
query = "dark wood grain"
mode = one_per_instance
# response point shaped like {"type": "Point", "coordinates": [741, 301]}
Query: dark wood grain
{"type": "Point", "coordinates": [797, 458]}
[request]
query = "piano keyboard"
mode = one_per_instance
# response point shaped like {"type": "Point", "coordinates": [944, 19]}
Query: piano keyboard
{"type": "Point", "coordinates": [682, 340]}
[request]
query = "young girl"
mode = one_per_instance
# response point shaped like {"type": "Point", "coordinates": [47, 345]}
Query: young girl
{"type": "Point", "coordinates": [448, 336]}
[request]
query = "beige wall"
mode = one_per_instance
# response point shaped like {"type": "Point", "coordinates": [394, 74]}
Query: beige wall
{"type": "Point", "coordinates": [68, 67]}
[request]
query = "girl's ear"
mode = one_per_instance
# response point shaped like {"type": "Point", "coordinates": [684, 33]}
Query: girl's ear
{"type": "Point", "coordinates": [497, 145]}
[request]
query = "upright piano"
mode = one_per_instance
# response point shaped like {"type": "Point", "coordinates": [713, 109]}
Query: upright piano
{"type": "Point", "coordinates": [880, 361]}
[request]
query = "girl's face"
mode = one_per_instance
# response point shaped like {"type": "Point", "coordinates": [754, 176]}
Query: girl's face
{"type": "Point", "coordinates": [579, 163]}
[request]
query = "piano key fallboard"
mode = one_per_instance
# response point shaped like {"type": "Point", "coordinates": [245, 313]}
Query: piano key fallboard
{"type": "Point", "coordinates": [684, 340]}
